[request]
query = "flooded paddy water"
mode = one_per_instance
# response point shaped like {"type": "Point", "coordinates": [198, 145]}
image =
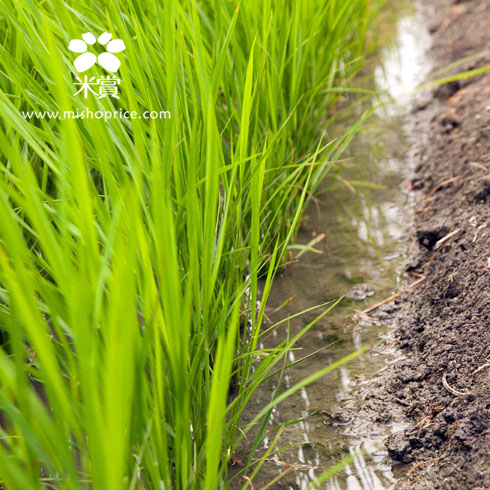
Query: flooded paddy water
{"type": "Point", "coordinates": [365, 218]}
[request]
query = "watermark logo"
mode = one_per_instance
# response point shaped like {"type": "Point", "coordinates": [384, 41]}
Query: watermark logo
{"type": "Point", "coordinates": [100, 86]}
{"type": "Point", "coordinates": [107, 86]}
{"type": "Point", "coordinates": [107, 60]}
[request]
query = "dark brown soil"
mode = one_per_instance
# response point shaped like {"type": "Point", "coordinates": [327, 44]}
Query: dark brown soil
{"type": "Point", "coordinates": [444, 385]}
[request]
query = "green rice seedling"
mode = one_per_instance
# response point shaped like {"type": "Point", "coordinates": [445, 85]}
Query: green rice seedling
{"type": "Point", "coordinates": [131, 248]}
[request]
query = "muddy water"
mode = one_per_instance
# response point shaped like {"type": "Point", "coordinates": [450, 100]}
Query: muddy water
{"type": "Point", "coordinates": [365, 219]}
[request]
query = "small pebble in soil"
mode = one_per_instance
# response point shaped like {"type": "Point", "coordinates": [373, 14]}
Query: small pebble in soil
{"type": "Point", "coordinates": [360, 292]}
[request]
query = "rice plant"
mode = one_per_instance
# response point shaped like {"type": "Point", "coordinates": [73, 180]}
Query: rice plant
{"type": "Point", "coordinates": [131, 248]}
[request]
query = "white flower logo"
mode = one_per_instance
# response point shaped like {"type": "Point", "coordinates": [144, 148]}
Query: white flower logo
{"type": "Point", "coordinates": [107, 60]}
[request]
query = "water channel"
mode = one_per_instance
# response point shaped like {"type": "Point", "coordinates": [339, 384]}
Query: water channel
{"type": "Point", "coordinates": [365, 217]}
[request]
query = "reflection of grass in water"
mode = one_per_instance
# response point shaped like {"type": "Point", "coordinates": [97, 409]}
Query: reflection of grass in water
{"type": "Point", "coordinates": [131, 250]}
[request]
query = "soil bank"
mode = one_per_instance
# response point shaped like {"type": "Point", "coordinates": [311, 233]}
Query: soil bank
{"type": "Point", "coordinates": [443, 386]}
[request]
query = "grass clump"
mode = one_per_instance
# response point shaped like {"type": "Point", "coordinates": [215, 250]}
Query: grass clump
{"type": "Point", "coordinates": [130, 250]}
